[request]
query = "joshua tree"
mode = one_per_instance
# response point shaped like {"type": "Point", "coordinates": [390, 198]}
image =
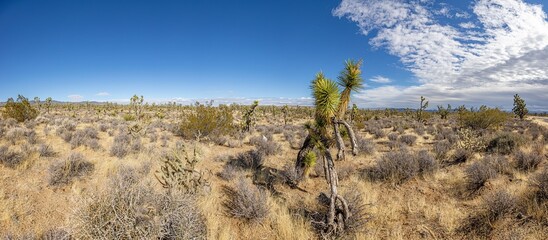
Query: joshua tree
{"type": "Point", "coordinates": [443, 112]}
{"type": "Point", "coordinates": [249, 116]}
{"type": "Point", "coordinates": [354, 113]}
{"type": "Point", "coordinates": [422, 107]}
{"type": "Point", "coordinates": [519, 107]}
{"type": "Point", "coordinates": [285, 111]}
{"type": "Point", "coordinates": [136, 103]}
{"type": "Point", "coordinates": [48, 103]}
{"type": "Point", "coordinates": [330, 110]}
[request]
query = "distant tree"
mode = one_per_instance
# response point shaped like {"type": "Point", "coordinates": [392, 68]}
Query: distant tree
{"type": "Point", "coordinates": [420, 112]}
{"type": "Point", "coordinates": [285, 111]}
{"type": "Point", "coordinates": [520, 108]}
{"type": "Point", "coordinates": [249, 117]}
{"type": "Point", "coordinates": [48, 103]}
{"type": "Point", "coordinates": [20, 110]}
{"type": "Point", "coordinates": [136, 104]}
{"type": "Point", "coordinates": [443, 112]}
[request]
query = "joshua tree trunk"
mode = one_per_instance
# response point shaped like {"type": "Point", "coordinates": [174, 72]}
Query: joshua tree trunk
{"type": "Point", "coordinates": [351, 134]}
{"type": "Point", "coordinates": [336, 217]}
{"type": "Point", "coordinates": [307, 146]}
{"type": "Point", "coordinates": [340, 143]}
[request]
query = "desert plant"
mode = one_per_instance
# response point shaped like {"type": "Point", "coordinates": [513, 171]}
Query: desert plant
{"type": "Point", "coordinates": [477, 175]}
{"type": "Point", "coordinates": [504, 143]}
{"type": "Point", "coordinates": [246, 201]}
{"type": "Point", "coordinates": [178, 172]}
{"type": "Point", "coordinates": [492, 208]}
{"type": "Point", "coordinates": [527, 161]}
{"type": "Point", "coordinates": [519, 108]}
{"type": "Point", "coordinates": [309, 162]}
{"type": "Point", "coordinates": [247, 160]}
{"type": "Point", "coordinates": [265, 146]}
{"type": "Point", "coordinates": [396, 167]}
{"type": "Point", "coordinates": [408, 139]}
{"type": "Point", "coordinates": [65, 171]}
{"type": "Point", "coordinates": [207, 121]}
{"type": "Point", "coordinates": [249, 117]}
{"type": "Point", "coordinates": [420, 111]}
{"type": "Point", "coordinates": [133, 210]}
{"type": "Point", "coordinates": [20, 110]}
{"type": "Point", "coordinates": [136, 104]}
{"type": "Point", "coordinates": [11, 158]}
{"type": "Point", "coordinates": [331, 108]}
{"type": "Point", "coordinates": [444, 112]}
{"type": "Point", "coordinates": [441, 149]}
{"type": "Point", "coordinates": [45, 150]}
{"type": "Point", "coordinates": [484, 118]}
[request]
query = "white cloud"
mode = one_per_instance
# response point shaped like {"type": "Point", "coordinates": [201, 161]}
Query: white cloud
{"type": "Point", "coordinates": [505, 54]}
{"type": "Point", "coordinates": [75, 97]}
{"type": "Point", "coordinates": [102, 94]}
{"type": "Point", "coordinates": [467, 25]}
{"type": "Point", "coordinates": [380, 79]}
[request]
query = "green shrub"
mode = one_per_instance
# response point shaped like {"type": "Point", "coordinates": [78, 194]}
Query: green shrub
{"type": "Point", "coordinates": [20, 110]}
{"type": "Point", "coordinates": [207, 121]}
{"type": "Point", "coordinates": [484, 118]}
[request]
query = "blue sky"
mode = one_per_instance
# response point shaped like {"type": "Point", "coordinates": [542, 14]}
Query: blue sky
{"type": "Point", "coordinates": [241, 50]}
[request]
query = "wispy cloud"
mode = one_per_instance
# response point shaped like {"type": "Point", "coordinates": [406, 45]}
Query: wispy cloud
{"type": "Point", "coordinates": [75, 97]}
{"type": "Point", "coordinates": [477, 64]}
{"type": "Point", "coordinates": [380, 79]}
{"type": "Point", "coordinates": [102, 94]}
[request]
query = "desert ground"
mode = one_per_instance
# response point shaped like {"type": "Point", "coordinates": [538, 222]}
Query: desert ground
{"type": "Point", "coordinates": [107, 171]}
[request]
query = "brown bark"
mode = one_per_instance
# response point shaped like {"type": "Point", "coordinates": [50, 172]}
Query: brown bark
{"type": "Point", "coordinates": [352, 136]}
{"type": "Point", "coordinates": [340, 142]}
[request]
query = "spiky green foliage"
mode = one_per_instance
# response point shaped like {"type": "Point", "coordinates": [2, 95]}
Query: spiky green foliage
{"type": "Point", "coordinates": [309, 162]}
{"type": "Point", "coordinates": [249, 117]}
{"type": "Point", "coordinates": [420, 112]}
{"type": "Point", "coordinates": [443, 112]}
{"type": "Point", "coordinates": [519, 107]}
{"type": "Point", "coordinates": [326, 99]}
{"type": "Point", "coordinates": [350, 80]}
{"type": "Point", "coordinates": [20, 110]}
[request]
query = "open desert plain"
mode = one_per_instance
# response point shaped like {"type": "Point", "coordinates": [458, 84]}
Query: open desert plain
{"type": "Point", "coordinates": [353, 119]}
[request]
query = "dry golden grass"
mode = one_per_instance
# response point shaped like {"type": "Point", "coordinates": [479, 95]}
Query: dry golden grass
{"type": "Point", "coordinates": [424, 207]}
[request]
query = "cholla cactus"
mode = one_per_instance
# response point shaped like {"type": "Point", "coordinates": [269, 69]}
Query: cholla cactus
{"type": "Point", "coordinates": [178, 172]}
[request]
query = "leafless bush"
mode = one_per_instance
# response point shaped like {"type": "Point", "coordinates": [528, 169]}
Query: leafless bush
{"type": "Point", "coordinates": [498, 163]}
{"type": "Point", "coordinates": [15, 134]}
{"type": "Point", "coordinates": [120, 146]}
{"type": "Point", "coordinates": [427, 163]}
{"type": "Point", "coordinates": [365, 146]}
{"type": "Point", "coordinates": [408, 139]}
{"type": "Point", "coordinates": [45, 150]}
{"type": "Point", "coordinates": [461, 155]}
{"type": "Point", "coordinates": [441, 149]}
{"type": "Point", "coordinates": [64, 172]}
{"type": "Point", "coordinates": [228, 173]}
{"type": "Point", "coordinates": [477, 175]}
{"type": "Point", "coordinates": [246, 201]}
{"type": "Point", "coordinates": [540, 183]}
{"type": "Point", "coordinates": [396, 166]}
{"type": "Point", "coordinates": [103, 127]}
{"type": "Point", "coordinates": [85, 137]}
{"type": "Point", "coordinates": [130, 209]}
{"type": "Point", "coordinates": [265, 146]}
{"type": "Point", "coordinates": [527, 161]}
{"type": "Point", "coordinates": [55, 234]}
{"type": "Point", "coordinates": [393, 136]}
{"type": "Point", "coordinates": [11, 158]}
{"type": "Point", "coordinates": [492, 208]}
{"type": "Point", "coordinates": [247, 160]}
{"type": "Point", "coordinates": [504, 143]}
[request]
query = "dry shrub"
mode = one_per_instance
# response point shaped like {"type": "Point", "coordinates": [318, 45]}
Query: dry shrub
{"type": "Point", "coordinates": [477, 175]}
{"type": "Point", "coordinates": [408, 139]}
{"type": "Point", "coordinates": [498, 163]}
{"type": "Point", "coordinates": [64, 172]}
{"type": "Point", "coordinates": [461, 155]}
{"type": "Point", "coordinates": [228, 173]}
{"type": "Point", "coordinates": [124, 144]}
{"type": "Point", "coordinates": [493, 207]}
{"type": "Point", "coordinates": [441, 149]}
{"type": "Point", "coordinates": [484, 118]}
{"type": "Point", "coordinates": [87, 137]}
{"type": "Point", "coordinates": [265, 145]}
{"type": "Point", "coordinates": [504, 143]}
{"type": "Point", "coordinates": [393, 136]}
{"type": "Point", "coordinates": [246, 201]}
{"type": "Point", "coordinates": [178, 172]}
{"type": "Point", "coordinates": [45, 150]}
{"type": "Point", "coordinates": [11, 158]}
{"type": "Point", "coordinates": [130, 209]}
{"type": "Point", "coordinates": [365, 146]}
{"type": "Point", "coordinates": [247, 160]}
{"type": "Point", "coordinates": [527, 161]}
{"type": "Point", "coordinates": [401, 165]}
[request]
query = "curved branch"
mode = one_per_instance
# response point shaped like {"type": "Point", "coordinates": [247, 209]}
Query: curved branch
{"type": "Point", "coordinates": [351, 135]}
{"type": "Point", "coordinates": [340, 143]}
